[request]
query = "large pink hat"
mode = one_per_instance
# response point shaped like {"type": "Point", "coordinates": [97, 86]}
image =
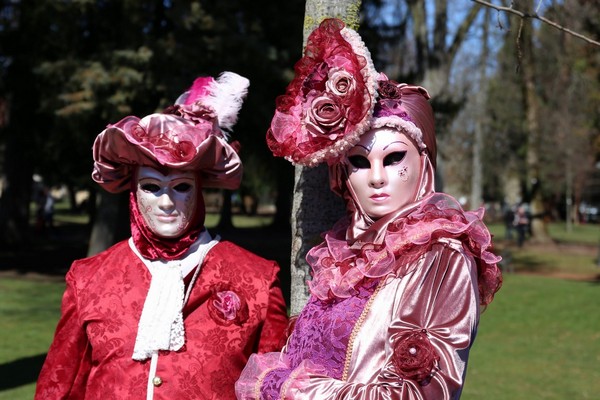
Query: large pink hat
{"type": "Point", "coordinates": [328, 104]}
{"type": "Point", "coordinates": [337, 95]}
{"type": "Point", "coordinates": [189, 136]}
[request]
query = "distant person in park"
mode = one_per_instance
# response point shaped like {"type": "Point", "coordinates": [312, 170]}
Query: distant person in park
{"type": "Point", "coordinates": [45, 210]}
{"type": "Point", "coordinates": [398, 283]}
{"type": "Point", "coordinates": [171, 313]}
{"type": "Point", "coordinates": [509, 221]}
{"type": "Point", "coordinates": [521, 224]}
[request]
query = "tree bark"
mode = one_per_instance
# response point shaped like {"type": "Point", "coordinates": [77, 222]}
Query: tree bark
{"type": "Point", "coordinates": [539, 230]}
{"type": "Point", "coordinates": [226, 214]}
{"type": "Point", "coordinates": [314, 208]}
{"type": "Point", "coordinates": [111, 221]}
{"type": "Point", "coordinates": [477, 176]}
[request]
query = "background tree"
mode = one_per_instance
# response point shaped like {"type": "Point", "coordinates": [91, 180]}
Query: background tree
{"type": "Point", "coordinates": [315, 208]}
{"type": "Point", "coordinates": [569, 86]}
{"type": "Point", "coordinates": [546, 72]}
{"type": "Point", "coordinates": [70, 67]}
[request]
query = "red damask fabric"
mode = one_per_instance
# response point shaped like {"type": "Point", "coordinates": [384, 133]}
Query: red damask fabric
{"type": "Point", "coordinates": [90, 357]}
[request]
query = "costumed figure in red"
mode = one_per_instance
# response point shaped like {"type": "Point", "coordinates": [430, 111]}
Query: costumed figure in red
{"type": "Point", "coordinates": [398, 284]}
{"type": "Point", "coordinates": [171, 313]}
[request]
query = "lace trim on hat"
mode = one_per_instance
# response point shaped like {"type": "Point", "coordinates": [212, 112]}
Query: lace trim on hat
{"type": "Point", "coordinates": [403, 126]}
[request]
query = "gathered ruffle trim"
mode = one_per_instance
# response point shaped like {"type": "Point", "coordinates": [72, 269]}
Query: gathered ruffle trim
{"type": "Point", "coordinates": [337, 268]}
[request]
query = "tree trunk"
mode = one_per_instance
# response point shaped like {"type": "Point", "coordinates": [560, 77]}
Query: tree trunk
{"type": "Point", "coordinates": [477, 176]}
{"type": "Point", "coordinates": [16, 194]}
{"type": "Point", "coordinates": [111, 221]}
{"type": "Point", "coordinates": [539, 230]}
{"type": "Point", "coordinates": [315, 208]}
{"type": "Point", "coordinates": [20, 134]}
{"type": "Point", "coordinates": [226, 215]}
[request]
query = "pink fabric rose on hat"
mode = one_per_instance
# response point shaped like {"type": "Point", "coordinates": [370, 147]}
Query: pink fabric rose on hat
{"type": "Point", "coordinates": [341, 83]}
{"type": "Point", "coordinates": [325, 117]}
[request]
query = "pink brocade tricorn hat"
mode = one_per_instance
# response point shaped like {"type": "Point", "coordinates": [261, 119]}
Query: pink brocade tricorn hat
{"type": "Point", "coordinates": [188, 136]}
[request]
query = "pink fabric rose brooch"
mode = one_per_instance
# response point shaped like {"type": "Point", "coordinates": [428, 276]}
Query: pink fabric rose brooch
{"type": "Point", "coordinates": [226, 307]}
{"type": "Point", "coordinates": [415, 357]}
{"type": "Point", "coordinates": [330, 101]}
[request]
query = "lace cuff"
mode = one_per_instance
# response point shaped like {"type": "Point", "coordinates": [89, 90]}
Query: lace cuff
{"type": "Point", "coordinates": [299, 380]}
{"type": "Point", "coordinates": [248, 386]}
{"type": "Point", "coordinates": [272, 383]}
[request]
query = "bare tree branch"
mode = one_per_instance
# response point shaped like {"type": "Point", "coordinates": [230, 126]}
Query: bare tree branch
{"type": "Point", "coordinates": [462, 30]}
{"type": "Point", "coordinates": [525, 15]}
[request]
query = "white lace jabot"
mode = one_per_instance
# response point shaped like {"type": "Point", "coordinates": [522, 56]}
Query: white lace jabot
{"type": "Point", "coordinates": [161, 324]}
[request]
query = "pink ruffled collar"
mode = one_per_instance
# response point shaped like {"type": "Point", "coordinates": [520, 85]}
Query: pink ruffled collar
{"type": "Point", "coordinates": [337, 268]}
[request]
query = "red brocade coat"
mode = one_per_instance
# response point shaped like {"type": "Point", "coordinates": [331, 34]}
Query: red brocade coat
{"type": "Point", "coordinates": [91, 355]}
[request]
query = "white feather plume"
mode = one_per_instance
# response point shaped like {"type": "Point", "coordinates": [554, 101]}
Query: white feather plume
{"type": "Point", "coordinates": [226, 96]}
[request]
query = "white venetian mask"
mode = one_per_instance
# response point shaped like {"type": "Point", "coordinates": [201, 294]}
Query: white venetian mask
{"type": "Point", "coordinates": [384, 171]}
{"type": "Point", "coordinates": [166, 202]}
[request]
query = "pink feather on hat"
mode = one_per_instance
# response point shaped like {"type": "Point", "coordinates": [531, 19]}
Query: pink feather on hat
{"type": "Point", "coordinates": [224, 94]}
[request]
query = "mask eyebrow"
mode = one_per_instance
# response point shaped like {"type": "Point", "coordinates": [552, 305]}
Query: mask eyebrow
{"type": "Point", "coordinates": [366, 150]}
{"type": "Point", "coordinates": [397, 141]}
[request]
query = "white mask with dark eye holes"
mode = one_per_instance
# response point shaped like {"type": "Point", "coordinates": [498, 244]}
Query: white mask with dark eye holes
{"type": "Point", "coordinates": [384, 171]}
{"type": "Point", "coordinates": [166, 202]}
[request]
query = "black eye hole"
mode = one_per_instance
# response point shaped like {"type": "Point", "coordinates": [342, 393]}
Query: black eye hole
{"type": "Point", "coordinates": [394, 158]}
{"type": "Point", "coordinates": [359, 162]}
{"type": "Point", "coordinates": [183, 187]}
{"type": "Point", "coordinates": [150, 187]}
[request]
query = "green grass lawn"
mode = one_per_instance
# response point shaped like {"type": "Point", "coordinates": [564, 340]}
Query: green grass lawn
{"type": "Point", "coordinates": [539, 339]}
{"type": "Point", "coordinates": [29, 311]}
{"type": "Point", "coordinates": [582, 233]}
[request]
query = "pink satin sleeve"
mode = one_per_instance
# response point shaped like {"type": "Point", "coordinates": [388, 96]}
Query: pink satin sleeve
{"type": "Point", "coordinates": [441, 297]}
{"type": "Point", "coordinates": [68, 362]}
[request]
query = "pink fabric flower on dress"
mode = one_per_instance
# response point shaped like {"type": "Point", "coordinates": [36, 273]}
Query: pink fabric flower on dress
{"type": "Point", "coordinates": [226, 307]}
{"type": "Point", "coordinates": [415, 357]}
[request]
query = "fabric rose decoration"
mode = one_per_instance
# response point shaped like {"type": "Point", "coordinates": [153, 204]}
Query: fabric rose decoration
{"type": "Point", "coordinates": [414, 357]}
{"type": "Point", "coordinates": [172, 139]}
{"type": "Point", "coordinates": [390, 100]}
{"type": "Point", "coordinates": [340, 83]}
{"type": "Point", "coordinates": [325, 117]}
{"type": "Point", "coordinates": [226, 307]}
{"type": "Point", "coordinates": [389, 89]}
{"type": "Point", "coordinates": [198, 113]}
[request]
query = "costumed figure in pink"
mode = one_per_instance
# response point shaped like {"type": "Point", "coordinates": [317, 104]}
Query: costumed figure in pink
{"type": "Point", "coordinates": [171, 313]}
{"type": "Point", "coordinates": [399, 283]}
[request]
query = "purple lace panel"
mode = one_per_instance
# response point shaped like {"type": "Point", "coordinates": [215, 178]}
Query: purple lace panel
{"type": "Point", "coordinates": [272, 383]}
{"type": "Point", "coordinates": [323, 330]}
{"type": "Point", "coordinates": [321, 335]}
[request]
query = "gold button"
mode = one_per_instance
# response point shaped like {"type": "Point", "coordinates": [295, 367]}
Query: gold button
{"type": "Point", "coordinates": [156, 381]}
